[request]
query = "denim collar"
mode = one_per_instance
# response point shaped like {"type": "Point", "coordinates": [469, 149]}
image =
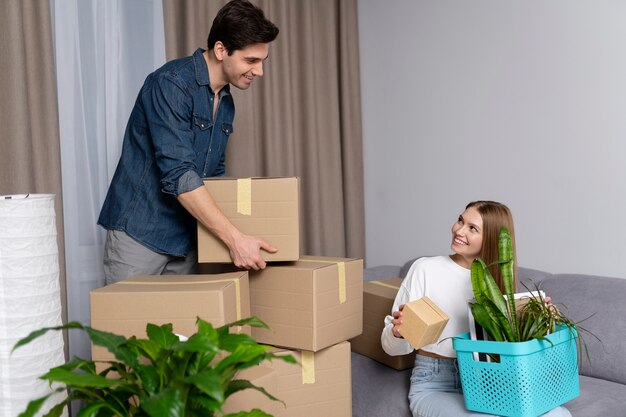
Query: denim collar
{"type": "Point", "coordinates": [202, 72]}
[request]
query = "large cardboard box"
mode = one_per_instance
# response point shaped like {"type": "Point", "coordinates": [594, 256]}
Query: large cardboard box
{"type": "Point", "coordinates": [310, 304]}
{"type": "Point", "coordinates": [267, 208]}
{"type": "Point", "coordinates": [378, 298]}
{"type": "Point", "coordinates": [249, 399]}
{"type": "Point", "coordinates": [422, 322]}
{"type": "Point", "coordinates": [126, 307]}
{"type": "Point", "coordinates": [319, 385]}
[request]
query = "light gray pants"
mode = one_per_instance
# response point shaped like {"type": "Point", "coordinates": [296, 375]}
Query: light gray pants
{"type": "Point", "coordinates": [124, 257]}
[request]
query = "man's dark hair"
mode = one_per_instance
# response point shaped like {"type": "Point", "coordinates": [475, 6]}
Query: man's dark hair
{"type": "Point", "coordinates": [239, 24]}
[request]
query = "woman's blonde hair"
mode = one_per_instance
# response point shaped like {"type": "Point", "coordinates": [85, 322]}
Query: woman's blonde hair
{"type": "Point", "coordinates": [495, 216]}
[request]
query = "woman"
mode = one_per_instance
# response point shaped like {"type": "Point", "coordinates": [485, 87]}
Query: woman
{"type": "Point", "coordinates": [435, 383]}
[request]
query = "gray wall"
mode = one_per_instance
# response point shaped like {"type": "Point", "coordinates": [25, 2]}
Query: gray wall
{"type": "Point", "coordinates": [523, 102]}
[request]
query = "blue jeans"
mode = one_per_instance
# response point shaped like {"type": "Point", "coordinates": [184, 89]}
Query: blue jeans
{"type": "Point", "coordinates": [436, 391]}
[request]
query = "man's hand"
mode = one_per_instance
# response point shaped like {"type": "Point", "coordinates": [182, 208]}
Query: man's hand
{"type": "Point", "coordinates": [245, 251]}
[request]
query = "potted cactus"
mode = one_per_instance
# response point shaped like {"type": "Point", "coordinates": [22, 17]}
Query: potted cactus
{"type": "Point", "coordinates": [161, 376]}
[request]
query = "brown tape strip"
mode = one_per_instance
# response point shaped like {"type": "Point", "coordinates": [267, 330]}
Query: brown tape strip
{"type": "Point", "coordinates": [244, 196]}
{"type": "Point", "coordinates": [341, 266]}
{"type": "Point", "coordinates": [308, 367]}
{"type": "Point", "coordinates": [382, 284]}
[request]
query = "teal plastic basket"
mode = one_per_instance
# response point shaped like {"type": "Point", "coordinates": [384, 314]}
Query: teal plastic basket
{"type": "Point", "coordinates": [531, 378]}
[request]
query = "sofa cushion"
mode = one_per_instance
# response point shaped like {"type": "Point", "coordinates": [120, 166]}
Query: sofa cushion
{"type": "Point", "coordinates": [599, 304]}
{"type": "Point", "coordinates": [381, 272]}
{"type": "Point", "coordinates": [528, 278]}
{"type": "Point", "coordinates": [598, 398]}
{"type": "Point", "coordinates": [378, 390]}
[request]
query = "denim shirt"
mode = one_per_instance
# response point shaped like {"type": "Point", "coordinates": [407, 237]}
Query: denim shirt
{"type": "Point", "coordinates": [171, 142]}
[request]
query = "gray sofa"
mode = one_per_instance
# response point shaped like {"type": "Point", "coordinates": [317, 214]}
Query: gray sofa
{"type": "Point", "coordinates": [379, 391]}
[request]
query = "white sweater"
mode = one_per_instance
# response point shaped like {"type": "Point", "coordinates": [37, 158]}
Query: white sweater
{"type": "Point", "coordinates": [449, 286]}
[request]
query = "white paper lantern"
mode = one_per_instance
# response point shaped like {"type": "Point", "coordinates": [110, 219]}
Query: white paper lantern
{"type": "Point", "coordinates": [30, 299]}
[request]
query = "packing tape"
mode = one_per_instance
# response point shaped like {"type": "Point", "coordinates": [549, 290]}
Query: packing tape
{"type": "Point", "coordinates": [244, 196]}
{"type": "Point", "coordinates": [382, 284]}
{"type": "Point", "coordinates": [341, 266]}
{"type": "Point", "coordinates": [308, 367]}
{"type": "Point", "coordinates": [235, 280]}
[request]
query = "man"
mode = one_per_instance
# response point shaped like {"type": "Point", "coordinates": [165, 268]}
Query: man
{"type": "Point", "coordinates": [176, 135]}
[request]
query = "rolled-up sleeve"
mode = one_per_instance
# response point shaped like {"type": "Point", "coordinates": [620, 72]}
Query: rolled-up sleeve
{"type": "Point", "coordinates": [392, 345]}
{"type": "Point", "coordinates": [169, 106]}
{"type": "Point", "coordinates": [189, 181]}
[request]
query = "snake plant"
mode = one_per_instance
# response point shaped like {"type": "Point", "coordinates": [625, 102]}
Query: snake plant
{"type": "Point", "coordinates": [495, 313]}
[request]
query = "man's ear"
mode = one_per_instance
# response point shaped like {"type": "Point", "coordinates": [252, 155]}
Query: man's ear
{"type": "Point", "coordinates": [219, 50]}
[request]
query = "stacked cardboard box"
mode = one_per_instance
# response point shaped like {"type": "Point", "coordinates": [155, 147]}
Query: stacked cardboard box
{"type": "Point", "coordinates": [125, 308]}
{"type": "Point", "coordinates": [378, 298]}
{"type": "Point", "coordinates": [320, 386]}
{"type": "Point", "coordinates": [263, 207]}
{"type": "Point", "coordinates": [312, 304]}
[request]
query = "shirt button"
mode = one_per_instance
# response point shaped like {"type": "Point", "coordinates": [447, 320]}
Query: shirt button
{"type": "Point", "coordinates": [202, 125]}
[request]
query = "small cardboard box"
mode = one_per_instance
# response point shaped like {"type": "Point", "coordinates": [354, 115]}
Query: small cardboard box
{"type": "Point", "coordinates": [249, 399]}
{"type": "Point", "coordinates": [126, 307]}
{"type": "Point", "coordinates": [319, 385]}
{"type": "Point", "coordinates": [310, 304]}
{"type": "Point", "coordinates": [422, 322]}
{"type": "Point", "coordinates": [267, 208]}
{"type": "Point", "coordinates": [378, 298]}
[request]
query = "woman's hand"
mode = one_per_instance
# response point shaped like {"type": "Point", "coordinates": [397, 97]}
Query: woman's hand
{"type": "Point", "coordinates": [397, 321]}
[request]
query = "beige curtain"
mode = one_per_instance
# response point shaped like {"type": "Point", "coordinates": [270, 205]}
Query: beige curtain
{"type": "Point", "coordinates": [303, 118]}
{"type": "Point", "coordinates": [30, 159]}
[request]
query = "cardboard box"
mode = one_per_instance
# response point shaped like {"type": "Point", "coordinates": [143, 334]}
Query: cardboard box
{"type": "Point", "coordinates": [319, 385]}
{"type": "Point", "coordinates": [422, 322]}
{"type": "Point", "coordinates": [310, 304]}
{"type": "Point", "coordinates": [126, 307]}
{"type": "Point", "coordinates": [249, 399]}
{"type": "Point", "coordinates": [378, 298]}
{"type": "Point", "coordinates": [267, 208]}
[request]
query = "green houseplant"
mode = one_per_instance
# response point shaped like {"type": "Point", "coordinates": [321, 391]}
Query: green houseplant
{"type": "Point", "coordinates": [511, 379]}
{"type": "Point", "coordinates": [159, 376]}
{"type": "Point", "coordinates": [497, 314]}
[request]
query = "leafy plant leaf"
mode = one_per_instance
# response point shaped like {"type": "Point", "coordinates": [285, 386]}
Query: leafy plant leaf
{"type": "Point", "coordinates": [242, 384]}
{"type": "Point", "coordinates": [57, 410]}
{"type": "Point", "coordinates": [149, 377]}
{"type": "Point", "coordinates": [506, 256]}
{"type": "Point", "coordinates": [209, 382]}
{"type": "Point", "coordinates": [168, 403]}
{"type": "Point", "coordinates": [34, 406]}
{"type": "Point", "coordinates": [252, 413]}
{"type": "Point", "coordinates": [38, 333]}
{"type": "Point", "coordinates": [485, 320]}
{"type": "Point", "coordinates": [250, 321]}
{"type": "Point", "coordinates": [95, 409]}
{"type": "Point", "coordinates": [230, 341]}
{"type": "Point", "coordinates": [75, 379]}
{"type": "Point", "coordinates": [163, 336]}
